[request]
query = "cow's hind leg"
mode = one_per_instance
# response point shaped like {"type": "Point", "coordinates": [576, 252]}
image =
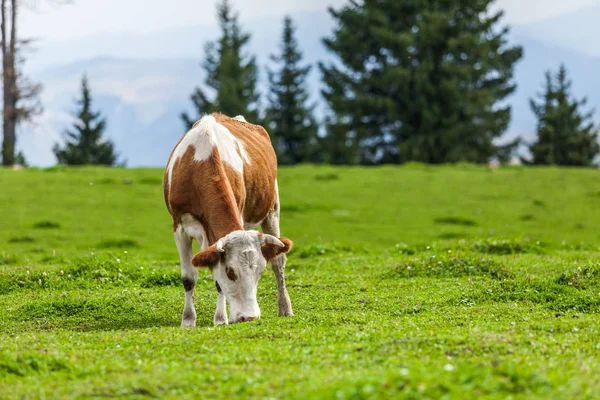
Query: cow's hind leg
{"type": "Point", "coordinates": [271, 226]}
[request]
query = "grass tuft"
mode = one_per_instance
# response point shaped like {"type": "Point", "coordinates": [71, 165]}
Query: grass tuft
{"type": "Point", "coordinates": [506, 247]}
{"type": "Point", "coordinates": [150, 181]}
{"type": "Point", "coordinates": [31, 364]}
{"type": "Point", "coordinates": [462, 221]}
{"type": "Point", "coordinates": [46, 225]}
{"type": "Point", "coordinates": [7, 259]}
{"type": "Point", "coordinates": [21, 239]}
{"type": "Point", "coordinates": [156, 280]}
{"type": "Point", "coordinates": [446, 266]}
{"type": "Point", "coordinates": [327, 177]}
{"type": "Point", "coordinates": [118, 244]}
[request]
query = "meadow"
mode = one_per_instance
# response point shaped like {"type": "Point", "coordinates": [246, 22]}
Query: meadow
{"type": "Point", "coordinates": [415, 282]}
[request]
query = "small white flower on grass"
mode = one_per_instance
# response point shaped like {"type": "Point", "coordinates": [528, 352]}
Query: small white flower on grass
{"type": "Point", "coordinates": [404, 371]}
{"type": "Point", "coordinates": [125, 252]}
{"type": "Point", "coordinates": [449, 367]}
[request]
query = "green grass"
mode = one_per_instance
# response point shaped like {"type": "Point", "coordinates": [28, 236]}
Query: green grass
{"type": "Point", "coordinates": [412, 282]}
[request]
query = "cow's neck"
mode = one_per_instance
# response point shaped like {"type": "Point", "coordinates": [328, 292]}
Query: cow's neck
{"type": "Point", "coordinates": [223, 216]}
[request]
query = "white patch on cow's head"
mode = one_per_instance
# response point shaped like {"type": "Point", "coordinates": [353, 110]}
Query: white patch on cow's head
{"type": "Point", "coordinates": [241, 266]}
{"type": "Point", "coordinates": [240, 118]}
{"type": "Point", "coordinates": [204, 136]}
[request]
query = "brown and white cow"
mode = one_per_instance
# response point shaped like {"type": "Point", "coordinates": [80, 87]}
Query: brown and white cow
{"type": "Point", "coordinates": [221, 179]}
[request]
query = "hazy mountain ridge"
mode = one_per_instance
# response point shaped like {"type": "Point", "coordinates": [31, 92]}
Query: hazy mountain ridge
{"type": "Point", "coordinates": [145, 82]}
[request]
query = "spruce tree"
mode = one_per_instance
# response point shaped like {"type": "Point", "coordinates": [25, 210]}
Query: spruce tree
{"type": "Point", "coordinates": [231, 74]}
{"type": "Point", "coordinates": [418, 80]}
{"type": "Point", "coordinates": [84, 143]}
{"type": "Point", "coordinates": [290, 117]}
{"type": "Point", "coordinates": [565, 136]}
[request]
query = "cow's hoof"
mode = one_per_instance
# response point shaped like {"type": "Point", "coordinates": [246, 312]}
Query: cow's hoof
{"type": "Point", "coordinates": [188, 323]}
{"type": "Point", "coordinates": [286, 314]}
{"type": "Point", "coordinates": [221, 320]}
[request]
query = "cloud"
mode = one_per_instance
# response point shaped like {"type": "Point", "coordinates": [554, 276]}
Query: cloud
{"type": "Point", "coordinates": [527, 11]}
{"type": "Point", "coordinates": [86, 18]}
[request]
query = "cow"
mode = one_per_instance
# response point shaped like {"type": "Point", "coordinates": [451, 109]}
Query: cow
{"type": "Point", "coordinates": [219, 185]}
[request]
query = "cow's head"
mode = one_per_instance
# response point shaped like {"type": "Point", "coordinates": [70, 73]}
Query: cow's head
{"type": "Point", "coordinates": [238, 261]}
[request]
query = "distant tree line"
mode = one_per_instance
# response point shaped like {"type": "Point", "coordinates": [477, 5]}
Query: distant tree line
{"type": "Point", "coordinates": [21, 103]}
{"type": "Point", "coordinates": [411, 80]}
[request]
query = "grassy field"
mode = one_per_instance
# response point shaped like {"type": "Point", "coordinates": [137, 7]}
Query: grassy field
{"type": "Point", "coordinates": [413, 282]}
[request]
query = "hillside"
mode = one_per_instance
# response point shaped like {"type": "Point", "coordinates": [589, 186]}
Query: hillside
{"type": "Point", "coordinates": [406, 282]}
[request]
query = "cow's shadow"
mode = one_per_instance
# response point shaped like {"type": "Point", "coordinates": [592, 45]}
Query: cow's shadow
{"type": "Point", "coordinates": [132, 324]}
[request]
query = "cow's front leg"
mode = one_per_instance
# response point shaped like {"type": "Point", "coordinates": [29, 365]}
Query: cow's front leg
{"type": "Point", "coordinates": [221, 312]}
{"type": "Point", "coordinates": [189, 276]}
{"type": "Point", "coordinates": [271, 226]}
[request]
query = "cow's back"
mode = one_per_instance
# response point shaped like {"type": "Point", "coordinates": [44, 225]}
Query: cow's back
{"type": "Point", "coordinates": [221, 167]}
{"type": "Point", "coordinates": [260, 167]}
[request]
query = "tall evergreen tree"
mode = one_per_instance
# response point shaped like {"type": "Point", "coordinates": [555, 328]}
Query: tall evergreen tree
{"type": "Point", "coordinates": [291, 119]}
{"type": "Point", "coordinates": [84, 143]}
{"type": "Point", "coordinates": [231, 74]}
{"type": "Point", "coordinates": [565, 136]}
{"type": "Point", "coordinates": [418, 80]}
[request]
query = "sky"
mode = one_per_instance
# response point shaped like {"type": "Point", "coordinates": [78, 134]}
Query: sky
{"type": "Point", "coordinates": [89, 17]}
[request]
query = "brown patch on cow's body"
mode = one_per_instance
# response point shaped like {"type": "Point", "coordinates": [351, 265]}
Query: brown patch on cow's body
{"type": "Point", "coordinates": [260, 174]}
{"type": "Point", "coordinates": [214, 193]}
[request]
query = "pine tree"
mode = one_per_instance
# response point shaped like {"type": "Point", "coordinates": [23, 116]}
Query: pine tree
{"type": "Point", "coordinates": [291, 119]}
{"type": "Point", "coordinates": [418, 80]}
{"type": "Point", "coordinates": [565, 136]}
{"type": "Point", "coordinates": [21, 160]}
{"type": "Point", "coordinates": [84, 143]}
{"type": "Point", "coordinates": [231, 74]}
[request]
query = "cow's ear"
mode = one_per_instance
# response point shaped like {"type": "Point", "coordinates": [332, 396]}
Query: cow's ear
{"type": "Point", "coordinates": [271, 249]}
{"type": "Point", "coordinates": [209, 257]}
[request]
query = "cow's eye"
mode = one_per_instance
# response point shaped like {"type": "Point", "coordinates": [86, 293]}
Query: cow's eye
{"type": "Point", "coordinates": [231, 274]}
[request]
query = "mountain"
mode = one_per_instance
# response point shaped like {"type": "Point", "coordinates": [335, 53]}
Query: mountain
{"type": "Point", "coordinates": [142, 82]}
{"type": "Point", "coordinates": [578, 30]}
{"type": "Point", "coordinates": [538, 58]}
